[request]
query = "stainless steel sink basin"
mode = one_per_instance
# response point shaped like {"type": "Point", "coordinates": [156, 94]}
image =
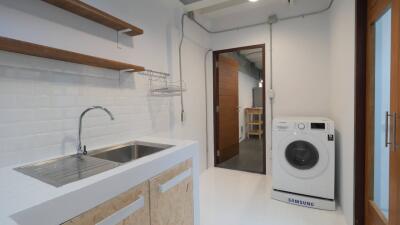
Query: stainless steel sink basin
{"type": "Point", "coordinates": [61, 171]}
{"type": "Point", "coordinates": [129, 152]}
{"type": "Point", "coordinates": [65, 170]}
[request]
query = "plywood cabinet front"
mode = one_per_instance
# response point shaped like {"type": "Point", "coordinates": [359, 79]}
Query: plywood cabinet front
{"type": "Point", "coordinates": [129, 208]}
{"type": "Point", "coordinates": [171, 196]}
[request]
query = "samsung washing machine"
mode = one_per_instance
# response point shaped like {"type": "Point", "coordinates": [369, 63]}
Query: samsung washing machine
{"type": "Point", "coordinates": [303, 162]}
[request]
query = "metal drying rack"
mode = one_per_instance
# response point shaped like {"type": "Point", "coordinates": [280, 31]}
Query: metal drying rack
{"type": "Point", "coordinates": [161, 84]}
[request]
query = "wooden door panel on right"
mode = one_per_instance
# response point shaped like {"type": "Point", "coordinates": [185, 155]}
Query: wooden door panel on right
{"type": "Point", "coordinates": [382, 198]}
{"type": "Point", "coordinates": [394, 205]}
{"type": "Point", "coordinates": [171, 196]}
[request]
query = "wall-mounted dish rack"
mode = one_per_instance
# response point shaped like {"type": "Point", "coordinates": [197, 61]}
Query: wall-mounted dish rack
{"type": "Point", "coordinates": [161, 85]}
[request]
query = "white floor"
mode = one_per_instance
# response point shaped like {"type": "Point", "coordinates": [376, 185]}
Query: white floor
{"type": "Point", "coordinates": [229, 197]}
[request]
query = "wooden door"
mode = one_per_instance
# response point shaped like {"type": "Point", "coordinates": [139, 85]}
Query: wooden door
{"type": "Point", "coordinates": [171, 196]}
{"type": "Point", "coordinates": [129, 208]}
{"type": "Point", "coordinates": [382, 198]}
{"type": "Point", "coordinates": [227, 108]}
{"type": "Point", "coordinates": [394, 207]}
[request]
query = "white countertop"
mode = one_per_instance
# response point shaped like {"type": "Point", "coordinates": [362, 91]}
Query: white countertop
{"type": "Point", "coordinates": [24, 198]}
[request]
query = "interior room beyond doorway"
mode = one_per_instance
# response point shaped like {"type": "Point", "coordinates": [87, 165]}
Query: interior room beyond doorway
{"type": "Point", "coordinates": [240, 109]}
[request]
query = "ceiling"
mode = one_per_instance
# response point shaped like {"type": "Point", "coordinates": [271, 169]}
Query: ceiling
{"type": "Point", "coordinates": [225, 14]}
{"type": "Point", "coordinates": [187, 2]}
{"type": "Point", "coordinates": [254, 56]}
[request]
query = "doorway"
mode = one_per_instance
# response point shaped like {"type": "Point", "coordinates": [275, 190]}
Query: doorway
{"type": "Point", "coordinates": [377, 138]}
{"type": "Point", "coordinates": [239, 109]}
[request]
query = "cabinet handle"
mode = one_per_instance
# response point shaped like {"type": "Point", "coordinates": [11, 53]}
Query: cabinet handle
{"type": "Point", "coordinates": [174, 181]}
{"type": "Point", "coordinates": [123, 213]}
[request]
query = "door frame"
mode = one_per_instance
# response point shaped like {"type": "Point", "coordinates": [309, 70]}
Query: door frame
{"type": "Point", "coordinates": [215, 99]}
{"type": "Point", "coordinates": [360, 113]}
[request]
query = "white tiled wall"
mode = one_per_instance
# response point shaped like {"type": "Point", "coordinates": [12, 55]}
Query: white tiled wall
{"type": "Point", "coordinates": [40, 105]}
{"type": "Point", "coordinates": [41, 101]}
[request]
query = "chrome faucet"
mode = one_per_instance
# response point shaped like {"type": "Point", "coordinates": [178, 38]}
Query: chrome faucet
{"type": "Point", "coordinates": [80, 150]}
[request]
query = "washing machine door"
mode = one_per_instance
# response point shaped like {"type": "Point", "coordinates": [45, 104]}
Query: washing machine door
{"type": "Point", "coordinates": [303, 155]}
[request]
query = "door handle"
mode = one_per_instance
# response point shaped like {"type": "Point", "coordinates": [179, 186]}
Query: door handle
{"type": "Point", "coordinates": [395, 131]}
{"type": "Point", "coordinates": [387, 142]}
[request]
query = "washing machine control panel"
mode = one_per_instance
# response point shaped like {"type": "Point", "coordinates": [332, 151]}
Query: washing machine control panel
{"type": "Point", "coordinates": [313, 126]}
{"type": "Point", "coordinates": [301, 126]}
{"type": "Point", "coordinates": [318, 126]}
{"type": "Point", "coordinates": [282, 126]}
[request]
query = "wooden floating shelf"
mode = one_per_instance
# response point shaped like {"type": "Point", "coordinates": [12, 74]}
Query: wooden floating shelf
{"type": "Point", "coordinates": [82, 9]}
{"type": "Point", "coordinates": [26, 48]}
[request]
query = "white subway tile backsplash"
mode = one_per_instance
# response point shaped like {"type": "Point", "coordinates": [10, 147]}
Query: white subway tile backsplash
{"type": "Point", "coordinates": [47, 139]}
{"type": "Point", "coordinates": [21, 74]}
{"type": "Point", "coordinates": [63, 101]}
{"type": "Point", "coordinates": [70, 124]}
{"type": "Point", "coordinates": [43, 114]}
{"type": "Point", "coordinates": [15, 87]}
{"type": "Point", "coordinates": [39, 110]}
{"type": "Point", "coordinates": [8, 101]}
{"type": "Point", "coordinates": [15, 115]}
{"type": "Point", "coordinates": [43, 127]}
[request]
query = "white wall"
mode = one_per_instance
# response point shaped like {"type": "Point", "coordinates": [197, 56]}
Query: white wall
{"type": "Point", "coordinates": [300, 62]}
{"type": "Point", "coordinates": [194, 127]}
{"type": "Point", "coordinates": [342, 98]}
{"type": "Point", "coordinates": [313, 75]}
{"type": "Point", "coordinates": [40, 103]}
{"type": "Point", "coordinates": [301, 67]}
{"type": "Point", "coordinates": [246, 85]}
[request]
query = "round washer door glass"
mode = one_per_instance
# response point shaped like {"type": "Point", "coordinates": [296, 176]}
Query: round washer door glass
{"type": "Point", "coordinates": [302, 155]}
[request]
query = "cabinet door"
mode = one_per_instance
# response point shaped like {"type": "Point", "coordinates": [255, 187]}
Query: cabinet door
{"type": "Point", "coordinates": [171, 196]}
{"type": "Point", "coordinates": [129, 208]}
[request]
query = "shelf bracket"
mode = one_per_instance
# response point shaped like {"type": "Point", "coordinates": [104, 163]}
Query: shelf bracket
{"type": "Point", "coordinates": [124, 31]}
{"type": "Point", "coordinates": [127, 71]}
{"type": "Point", "coordinates": [124, 71]}
{"type": "Point", "coordinates": [120, 32]}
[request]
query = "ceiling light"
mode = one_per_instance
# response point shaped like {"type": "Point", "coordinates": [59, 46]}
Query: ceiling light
{"type": "Point", "coordinates": [253, 0]}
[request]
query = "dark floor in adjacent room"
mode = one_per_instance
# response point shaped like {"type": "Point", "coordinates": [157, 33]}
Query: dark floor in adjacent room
{"type": "Point", "coordinates": [249, 159]}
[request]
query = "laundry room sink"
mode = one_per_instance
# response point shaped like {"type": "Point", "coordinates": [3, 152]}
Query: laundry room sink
{"type": "Point", "coordinates": [68, 169]}
{"type": "Point", "coordinates": [129, 152]}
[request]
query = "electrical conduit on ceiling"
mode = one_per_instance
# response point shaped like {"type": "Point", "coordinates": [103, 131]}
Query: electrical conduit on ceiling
{"type": "Point", "coordinates": [263, 23]}
{"type": "Point", "coordinates": [271, 20]}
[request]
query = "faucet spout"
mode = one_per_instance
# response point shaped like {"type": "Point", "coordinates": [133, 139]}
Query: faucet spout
{"type": "Point", "coordinates": [82, 151]}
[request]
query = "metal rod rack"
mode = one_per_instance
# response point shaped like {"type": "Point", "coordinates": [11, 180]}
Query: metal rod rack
{"type": "Point", "coordinates": [161, 84]}
{"type": "Point", "coordinates": [153, 73]}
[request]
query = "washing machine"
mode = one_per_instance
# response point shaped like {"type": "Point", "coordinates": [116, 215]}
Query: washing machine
{"type": "Point", "coordinates": [303, 162]}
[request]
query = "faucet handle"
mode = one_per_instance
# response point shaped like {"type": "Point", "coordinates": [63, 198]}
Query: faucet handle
{"type": "Point", "coordinates": [84, 150]}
